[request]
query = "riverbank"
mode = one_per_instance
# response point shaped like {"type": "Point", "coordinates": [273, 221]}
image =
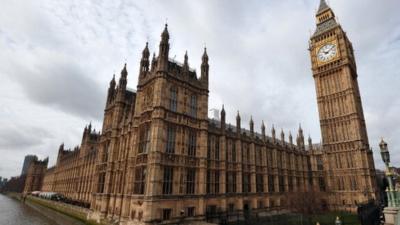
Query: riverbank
{"type": "Point", "coordinates": [63, 213]}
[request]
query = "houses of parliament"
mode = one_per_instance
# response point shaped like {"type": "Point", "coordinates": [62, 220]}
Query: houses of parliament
{"type": "Point", "coordinates": [159, 158]}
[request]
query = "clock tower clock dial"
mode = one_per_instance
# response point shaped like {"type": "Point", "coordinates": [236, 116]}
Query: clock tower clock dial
{"type": "Point", "coordinates": [349, 171]}
{"type": "Point", "coordinates": [327, 52]}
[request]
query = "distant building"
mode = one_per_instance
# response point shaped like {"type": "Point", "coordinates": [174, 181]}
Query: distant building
{"type": "Point", "coordinates": [14, 184]}
{"type": "Point", "coordinates": [28, 159]}
{"type": "Point", "coordinates": [35, 174]}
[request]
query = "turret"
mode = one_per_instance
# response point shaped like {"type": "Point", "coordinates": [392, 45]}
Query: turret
{"type": "Point", "coordinates": [186, 63]}
{"type": "Point", "coordinates": [263, 129]}
{"type": "Point", "coordinates": [123, 79]}
{"type": "Point", "coordinates": [251, 126]}
{"type": "Point", "coordinates": [122, 84]}
{"type": "Point", "coordinates": [273, 133]}
{"type": "Point", "coordinates": [163, 50]}
{"type": "Point", "coordinates": [309, 142]}
{"type": "Point", "coordinates": [85, 133]}
{"type": "Point", "coordinates": [153, 62]}
{"type": "Point", "coordinates": [204, 67]}
{"type": "Point", "coordinates": [223, 119]}
{"type": "Point", "coordinates": [300, 137]}
{"type": "Point", "coordinates": [290, 138]}
{"type": "Point", "coordinates": [61, 148]}
{"type": "Point", "coordinates": [282, 136]}
{"type": "Point", "coordinates": [238, 123]}
{"type": "Point", "coordinates": [144, 62]}
{"type": "Point", "coordinates": [111, 90]}
{"type": "Point", "coordinates": [60, 153]}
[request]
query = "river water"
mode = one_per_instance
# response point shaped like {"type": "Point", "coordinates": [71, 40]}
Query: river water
{"type": "Point", "coordinates": [13, 212]}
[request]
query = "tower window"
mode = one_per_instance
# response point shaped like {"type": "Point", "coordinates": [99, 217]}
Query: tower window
{"type": "Point", "coordinates": [217, 148]}
{"type": "Point", "coordinates": [190, 211]}
{"type": "Point", "coordinates": [320, 165]}
{"type": "Point", "coordinates": [140, 178]}
{"type": "Point", "coordinates": [173, 102]}
{"type": "Point", "coordinates": [231, 182]}
{"type": "Point", "coordinates": [168, 180]}
{"type": "Point", "coordinates": [170, 139]}
{"type": "Point", "coordinates": [193, 105]}
{"type": "Point", "coordinates": [166, 214]}
{"type": "Point", "coordinates": [190, 180]}
{"type": "Point", "coordinates": [192, 143]}
{"type": "Point", "coordinates": [100, 186]}
{"type": "Point", "coordinates": [213, 148]}
{"type": "Point", "coordinates": [260, 182]}
{"type": "Point", "coordinates": [246, 183]}
{"type": "Point", "coordinates": [233, 151]}
{"type": "Point", "coordinates": [144, 138]}
{"type": "Point", "coordinates": [258, 156]}
{"type": "Point", "coordinates": [281, 184]}
{"type": "Point", "coordinates": [271, 183]}
{"type": "Point", "coordinates": [212, 182]}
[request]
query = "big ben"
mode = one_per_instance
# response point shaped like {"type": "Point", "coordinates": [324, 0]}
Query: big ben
{"type": "Point", "coordinates": [348, 162]}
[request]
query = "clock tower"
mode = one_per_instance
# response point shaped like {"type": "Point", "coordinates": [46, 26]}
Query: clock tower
{"type": "Point", "coordinates": [348, 161]}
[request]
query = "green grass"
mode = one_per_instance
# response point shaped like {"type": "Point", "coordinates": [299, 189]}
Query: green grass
{"type": "Point", "coordinates": [329, 218]}
{"type": "Point", "coordinates": [295, 219]}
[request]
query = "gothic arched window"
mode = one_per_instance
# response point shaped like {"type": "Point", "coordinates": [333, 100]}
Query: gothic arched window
{"type": "Point", "coordinates": [192, 143]}
{"type": "Point", "coordinates": [170, 139]}
{"type": "Point", "coordinates": [144, 138]}
{"type": "Point", "coordinates": [173, 101]}
{"type": "Point", "coordinates": [193, 105]}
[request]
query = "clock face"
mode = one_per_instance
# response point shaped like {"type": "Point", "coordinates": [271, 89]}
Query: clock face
{"type": "Point", "coordinates": [327, 52]}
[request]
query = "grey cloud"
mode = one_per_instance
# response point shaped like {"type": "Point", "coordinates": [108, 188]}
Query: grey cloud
{"type": "Point", "coordinates": [21, 137]}
{"type": "Point", "coordinates": [57, 83]}
{"type": "Point", "coordinates": [63, 55]}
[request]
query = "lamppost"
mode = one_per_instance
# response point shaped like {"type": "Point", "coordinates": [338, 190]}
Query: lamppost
{"type": "Point", "coordinates": [386, 159]}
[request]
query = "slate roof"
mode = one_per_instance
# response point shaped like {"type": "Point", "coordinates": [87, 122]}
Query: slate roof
{"type": "Point", "coordinates": [322, 6]}
{"type": "Point", "coordinates": [325, 26]}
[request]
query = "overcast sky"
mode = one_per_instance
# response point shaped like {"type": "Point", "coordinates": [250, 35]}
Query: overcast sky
{"type": "Point", "coordinates": [57, 57]}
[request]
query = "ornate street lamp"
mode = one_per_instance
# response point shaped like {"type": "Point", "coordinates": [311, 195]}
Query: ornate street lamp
{"type": "Point", "coordinates": [384, 152]}
{"type": "Point", "coordinates": [386, 159]}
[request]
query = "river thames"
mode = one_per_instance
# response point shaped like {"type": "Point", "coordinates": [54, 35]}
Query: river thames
{"type": "Point", "coordinates": [13, 212]}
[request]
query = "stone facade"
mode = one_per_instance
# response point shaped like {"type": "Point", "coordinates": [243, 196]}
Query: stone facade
{"type": "Point", "coordinates": [160, 158]}
{"type": "Point", "coordinates": [73, 174]}
{"type": "Point", "coordinates": [35, 175]}
{"type": "Point", "coordinates": [48, 180]}
{"type": "Point", "coordinates": [350, 171]}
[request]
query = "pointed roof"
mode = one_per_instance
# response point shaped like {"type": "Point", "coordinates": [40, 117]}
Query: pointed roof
{"type": "Point", "coordinates": [112, 82]}
{"type": "Point", "coordinates": [322, 6]}
{"type": "Point", "coordinates": [165, 34]}
{"type": "Point", "coordinates": [146, 52]}
{"type": "Point", "coordinates": [124, 72]}
{"type": "Point", "coordinates": [205, 56]}
{"type": "Point", "coordinates": [186, 59]}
